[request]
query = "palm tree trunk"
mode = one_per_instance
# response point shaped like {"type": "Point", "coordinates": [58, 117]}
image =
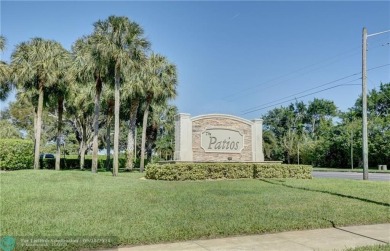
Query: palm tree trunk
{"type": "Point", "coordinates": [143, 141]}
{"type": "Point", "coordinates": [38, 127]}
{"type": "Point", "coordinates": [116, 129]}
{"type": "Point", "coordinates": [59, 131]}
{"type": "Point", "coordinates": [83, 146]}
{"type": "Point", "coordinates": [108, 143]}
{"type": "Point", "coordinates": [35, 126]}
{"type": "Point", "coordinates": [96, 125]}
{"type": "Point", "coordinates": [131, 134]}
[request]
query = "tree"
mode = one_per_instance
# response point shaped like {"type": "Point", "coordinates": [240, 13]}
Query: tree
{"type": "Point", "coordinates": [61, 90]}
{"type": "Point", "coordinates": [80, 107]}
{"type": "Point", "coordinates": [108, 108]}
{"type": "Point", "coordinates": [36, 65]}
{"type": "Point", "coordinates": [160, 86]}
{"type": "Point", "coordinates": [119, 39]}
{"type": "Point", "coordinates": [92, 68]}
{"type": "Point", "coordinates": [5, 83]}
{"type": "Point", "coordinates": [319, 113]}
{"type": "Point", "coordinates": [162, 121]}
{"type": "Point", "coordinates": [131, 97]}
{"type": "Point", "coordinates": [378, 109]}
{"type": "Point", "coordinates": [8, 131]}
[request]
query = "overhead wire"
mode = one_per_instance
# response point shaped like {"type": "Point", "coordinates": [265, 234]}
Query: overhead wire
{"type": "Point", "coordinates": [270, 104]}
{"type": "Point", "coordinates": [333, 60]}
{"type": "Point", "coordinates": [332, 87]}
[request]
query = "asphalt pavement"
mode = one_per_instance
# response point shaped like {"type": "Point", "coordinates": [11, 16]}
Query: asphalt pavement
{"type": "Point", "coordinates": [352, 175]}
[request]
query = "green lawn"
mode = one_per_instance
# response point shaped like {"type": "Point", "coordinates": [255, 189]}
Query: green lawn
{"type": "Point", "coordinates": [371, 248]}
{"type": "Point", "coordinates": [132, 210]}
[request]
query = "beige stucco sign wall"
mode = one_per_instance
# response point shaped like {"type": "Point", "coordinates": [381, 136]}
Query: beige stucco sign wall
{"type": "Point", "coordinates": [218, 137]}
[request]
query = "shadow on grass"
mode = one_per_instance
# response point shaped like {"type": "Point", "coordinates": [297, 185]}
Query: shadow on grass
{"type": "Point", "coordinates": [280, 183]}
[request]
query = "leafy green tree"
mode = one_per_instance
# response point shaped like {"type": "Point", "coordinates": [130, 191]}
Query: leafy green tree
{"type": "Point", "coordinates": [120, 39]}
{"type": "Point", "coordinates": [319, 115]}
{"type": "Point", "coordinates": [378, 109]}
{"type": "Point", "coordinates": [160, 86]}
{"type": "Point", "coordinates": [8, 130]}
{"type": "Point", "coordinates": [36, 65]}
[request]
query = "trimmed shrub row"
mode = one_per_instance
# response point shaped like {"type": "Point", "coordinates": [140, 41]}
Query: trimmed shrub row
{"type": "Point", "coordinates": [16, 154]}
{"type": "Point", "coordinates": [203, 171]}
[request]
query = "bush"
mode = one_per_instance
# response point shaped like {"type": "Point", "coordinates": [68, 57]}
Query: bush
{"type": "Point", "coordinates": [282, 171]}
{"type": "Point", "coordinates": [202, 171]}
{"type": "Point", "coordinates": [16, 154]}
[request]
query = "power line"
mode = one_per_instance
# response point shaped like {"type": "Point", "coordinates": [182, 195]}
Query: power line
{"type": "Point", "coordinates": [332, 60]}
{"type": "Point", "coordinates": [292, 95]}
{"type": "Point", "coordinates": [252, 109]}
{"type": "Point", "coordinates": [242, 91]}
{"type": "Point", "coordinates": [332, 87]}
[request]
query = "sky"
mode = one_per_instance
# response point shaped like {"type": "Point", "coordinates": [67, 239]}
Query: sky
{"type": "Point", "coordinates": [242, 58]}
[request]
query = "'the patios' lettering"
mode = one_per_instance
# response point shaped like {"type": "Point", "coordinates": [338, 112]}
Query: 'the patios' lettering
{"type": "Point", "coordinates": [216, 144]}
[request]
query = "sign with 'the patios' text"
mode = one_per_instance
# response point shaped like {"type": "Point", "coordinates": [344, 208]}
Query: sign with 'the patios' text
{"type": "Point", "coordinates": [222, 140]}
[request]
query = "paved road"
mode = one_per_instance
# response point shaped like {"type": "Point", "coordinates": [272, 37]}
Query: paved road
{"type": "Point", "coordinates": [351, 175]}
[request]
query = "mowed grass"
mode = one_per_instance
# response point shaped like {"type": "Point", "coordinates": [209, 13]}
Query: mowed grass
{"type": "Point", "coordinates": [135, 211]}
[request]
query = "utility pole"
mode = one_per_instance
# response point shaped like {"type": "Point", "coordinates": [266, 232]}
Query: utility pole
{"type": "Point", "coordinates": [352, 149]}
{"type": "Point", "coordinates": [298, 152]}
{"type": "Point", "coordinates": [364, 99]}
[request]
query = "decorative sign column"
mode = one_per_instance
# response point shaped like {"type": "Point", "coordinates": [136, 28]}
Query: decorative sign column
{"type": "Point", "coordinates": [218, 138]}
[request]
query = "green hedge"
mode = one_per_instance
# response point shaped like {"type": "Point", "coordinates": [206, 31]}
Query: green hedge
{"type": "Point", "coordinates": [282, 171]}
{"type": "Point", "coordinates": [202, 171]}
{"type": "Point", "coordinates": [16, 154]}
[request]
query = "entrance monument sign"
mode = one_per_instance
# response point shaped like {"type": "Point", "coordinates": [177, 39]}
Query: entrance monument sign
{"type": "Point", "coordinates": [218, 138]}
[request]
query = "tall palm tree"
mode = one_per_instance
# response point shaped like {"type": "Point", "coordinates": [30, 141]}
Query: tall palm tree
{"type": "Point", "coordinates": [131, 96]}
{"type": "Point", "coordinates": [119, 39]}
{"type": "Point", "coordinates": [36, 64]}
{"type": "Point", "coordinates": [108, 109]}
{"type": "Point", "coordinates": [5, 84]}
{"type": "Point", "coordinates": [160, 86]}
{"type": "Point", "coordinates": [92, 67]}
{"type": "Point", "coordinates": [61, 90]}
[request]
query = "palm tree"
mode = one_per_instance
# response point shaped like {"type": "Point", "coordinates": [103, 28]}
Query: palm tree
{"type": "Point", "coordinates": [160, 86]}
{"type": "Point", "coordinates": [131, 96]}
{"type": "Point", "coordinates": [119, 39]}
{"type": "Point", "coordinates": [92, 68]}
{"type": "Point", "coordinates": [108, 108]}
{"type": "Point", "coordinates": [5, 84]}
{"type": "Point", "coordinates": [61, 90]}
{"type": "Point", "coordinates": [80, 107]}
{"type": "Point", "coordinates": [162, 121]}
{"type": "Point", "coordinates": [36, 65]}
